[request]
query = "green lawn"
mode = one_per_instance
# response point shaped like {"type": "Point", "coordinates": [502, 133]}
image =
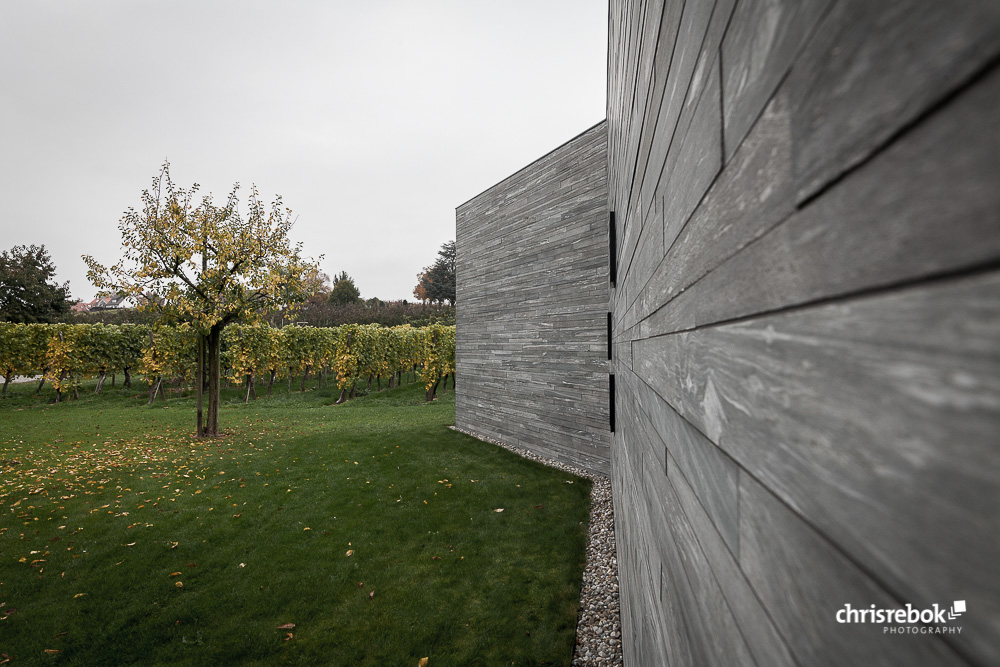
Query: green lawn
{"type": "Point", "coordinates": [370, 526]}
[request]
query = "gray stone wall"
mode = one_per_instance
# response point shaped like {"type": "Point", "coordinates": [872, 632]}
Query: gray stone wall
{"type": "Point", "coordinates": [806, 326]}
{"type": "Point", "coordinates": [532, 288]}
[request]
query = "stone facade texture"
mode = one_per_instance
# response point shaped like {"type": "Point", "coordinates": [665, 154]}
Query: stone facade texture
{"type": "Point", "coordinates": [532, 287]}
{"type": "Point", "coordinates": [807, 327]}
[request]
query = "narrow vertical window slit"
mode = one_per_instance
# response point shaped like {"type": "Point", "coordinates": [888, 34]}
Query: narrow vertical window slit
{"type": "Point", "coordinates": [611, 398]}
{"type": "Point", "coordinates": [613, 248]}
{"type": "Point", "coordinates": [609, 337]}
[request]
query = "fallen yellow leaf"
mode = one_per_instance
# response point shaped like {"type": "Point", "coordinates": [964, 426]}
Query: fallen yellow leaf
{"type": "Point", "coordinates": [174, 574]}
{"type": "Point", "coordinates": [179, 584]}
{"type": "Point", "coordinates": [349, 552]}
{"type": "Point", "coordinates": [286, 626]}
{"type": "Point", "coordinates": [78, 595]}
{"type": "Point", "coordinates": [499, 510]}
{"type": "Point", "coordinates": [51, 651]}
{"type": "Point", "coordinates": [423, 662]}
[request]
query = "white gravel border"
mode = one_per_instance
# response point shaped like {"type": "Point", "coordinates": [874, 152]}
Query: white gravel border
{"type": "Point", "coordinates": [598, 627]}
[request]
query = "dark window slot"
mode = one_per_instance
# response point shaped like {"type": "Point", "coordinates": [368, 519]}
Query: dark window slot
{"type": "Point", "coordinates": [613, 248]}
{"type": "Point", "coordinates": [611, 394]}
{"type": "Point", "coordinates": [609, 336]}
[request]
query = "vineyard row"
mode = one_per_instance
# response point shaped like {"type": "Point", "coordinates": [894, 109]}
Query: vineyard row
{"type": "Point", "coordinates": [66, 354]}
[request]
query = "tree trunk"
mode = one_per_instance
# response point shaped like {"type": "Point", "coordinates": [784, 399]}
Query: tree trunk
{"type": "Point", "coordinates": [370, 383]}
{"type": "Point", "coordinates": [100, 381]}
{"type": "Point", "coordinates": [432, 392]}
{"type": "Point", "coordinates": [62, 376]}
{"type": "Point", "coordinates": [6, 381]}
{"type": "Point", "coordinates": [200, 381]}
{"type": "Point", "coordinates": [214, 345]}
{"type": "Point", "coordinates": [127, 382]}
{"type": "Point", "coordinates": [379, 380]}
{"type": "Point", "coordinates": [343, 396]}
{"type": "Point", "coordinates": [76, 392]}
{"type": "Point", "coordinates": [305, 375]}
{"type": "Point", "coordinates": [41, 382]}
{"type": "Point", "coordinates": [113, 379]}
{"type": "Point", "coordinates": [270, 382]}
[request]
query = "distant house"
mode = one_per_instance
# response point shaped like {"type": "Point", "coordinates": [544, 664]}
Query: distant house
{"type": "Point", "coordinates": [100, 303]}
{"type": "Point", "coordinates": [109, 302]}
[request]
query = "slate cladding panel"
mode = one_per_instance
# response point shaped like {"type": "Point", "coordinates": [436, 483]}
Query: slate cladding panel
{"type": "Point", "coordinates": [806, 326]}
{"type": "Point", "coordinates": [532, 288]}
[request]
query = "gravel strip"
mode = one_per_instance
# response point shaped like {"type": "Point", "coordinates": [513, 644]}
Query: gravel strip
{"type": "Point", "coordinates": [598, 627]}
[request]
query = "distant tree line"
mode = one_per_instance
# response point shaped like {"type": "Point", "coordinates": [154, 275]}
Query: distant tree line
{"type": "Point", "coordinates": [373, 311]}
{"type": "Point", "coordinates": [338, 301]}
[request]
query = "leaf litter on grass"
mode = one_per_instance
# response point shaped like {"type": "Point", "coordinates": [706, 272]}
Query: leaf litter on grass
{"type": "Point", "coordinates": [170, 483]}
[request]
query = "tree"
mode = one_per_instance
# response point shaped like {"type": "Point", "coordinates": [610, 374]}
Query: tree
{"type": "Point", "coordinates": [436, 283]}
{"type": "Point", "coordinates": [317, 286]}
{"type": "Point", "coordinates": [422, 292]}
{"type": "Point", "coordinates": [205, 264]}
{"type": "Point", "coordinates": [344, 290]}
{"type": "Point", "coordinates": [27, 292]}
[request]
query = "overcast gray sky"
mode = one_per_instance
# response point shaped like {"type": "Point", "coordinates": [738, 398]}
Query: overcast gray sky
{"type": "Point", "coordinates": [373, 120]}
